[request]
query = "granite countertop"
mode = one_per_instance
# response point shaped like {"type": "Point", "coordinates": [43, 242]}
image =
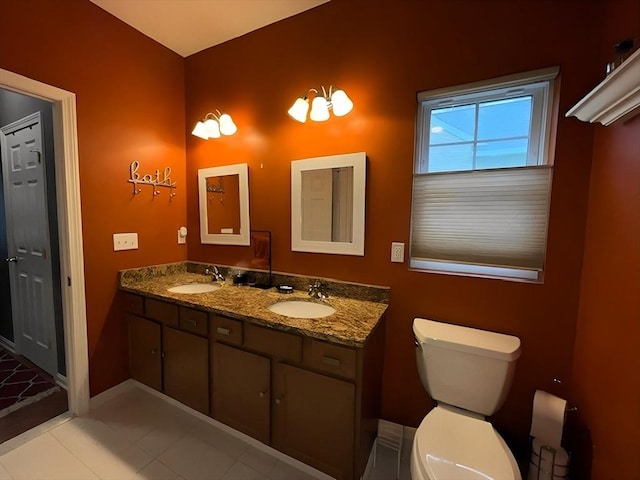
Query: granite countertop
{"type": "Point", "coordinates": [351, 323]}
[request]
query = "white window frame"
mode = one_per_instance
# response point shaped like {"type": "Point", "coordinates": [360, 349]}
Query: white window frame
{"type": "Point", "coordinates": [539, 84]}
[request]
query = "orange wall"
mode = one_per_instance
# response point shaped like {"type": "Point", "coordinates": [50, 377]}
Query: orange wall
{"type": "Point", "coordinates": [130, 106]}
{"type": "Point", "coordinates": [606, 361]}
{"type": "Point", "coordinates": [382, 52]}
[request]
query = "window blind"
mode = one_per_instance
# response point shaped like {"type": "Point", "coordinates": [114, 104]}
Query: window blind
{"type": "Point", "coordinates": [484, 217]}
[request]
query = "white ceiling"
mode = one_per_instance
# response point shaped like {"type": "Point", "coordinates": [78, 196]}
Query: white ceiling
{"type": "Point", "coordinates": [189, 26]}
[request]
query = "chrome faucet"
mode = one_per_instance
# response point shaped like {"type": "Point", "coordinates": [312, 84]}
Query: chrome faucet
{"type": "Point", "coordinates": [315, 290]}
{"type": "Point", "coordinates": [216, 276]}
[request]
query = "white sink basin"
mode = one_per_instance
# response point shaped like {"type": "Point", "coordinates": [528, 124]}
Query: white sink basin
{"type": "Point", "coordinates": [194, 288]}
{"type": "Point", "coordinates": [298, 309]}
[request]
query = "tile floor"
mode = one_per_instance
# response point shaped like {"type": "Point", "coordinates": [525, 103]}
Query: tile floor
{"type": "Point", "coordinates": [138, 436]}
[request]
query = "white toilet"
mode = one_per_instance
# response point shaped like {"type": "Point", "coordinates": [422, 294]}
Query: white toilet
{"type": "Point", "coordinates": [468, 373]}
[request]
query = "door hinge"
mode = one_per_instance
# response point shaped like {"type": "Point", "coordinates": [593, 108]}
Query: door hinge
{"type": "Point", "coordinates": [68, 281]}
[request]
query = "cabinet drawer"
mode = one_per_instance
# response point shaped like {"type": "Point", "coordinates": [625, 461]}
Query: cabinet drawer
{"type": "Point", "coordinates": [273, 342]}
{"type": "Point", "coordinates": [226, 329]}
{"type": "Point", "coordinates": [193, 320]}
{"type": "Point", "coordinates": [133, 303]}
{"type": "Point", "coordinates": [166, 313]}
{"type": "Point", "coordinates": [330, 358]}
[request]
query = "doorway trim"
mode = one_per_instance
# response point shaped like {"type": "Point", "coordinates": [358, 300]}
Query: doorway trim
{"type": "Point", "coordinates": [69, 229]}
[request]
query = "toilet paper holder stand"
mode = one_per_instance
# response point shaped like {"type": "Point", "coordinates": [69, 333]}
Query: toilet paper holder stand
{"type": "Point", "coordinates": [551, 455]}
{"type": "Point", "coordinates": [548, 474]}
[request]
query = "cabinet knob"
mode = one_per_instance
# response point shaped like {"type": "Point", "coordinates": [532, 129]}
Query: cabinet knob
{"type": "Point", "coordinates": [153, 351]}
{"type": "Point", "coordinates": [223, 331]}
{"type": "Point", "coordinates": [192, 322]}
{"type": "Point", "coordinates": [278, 401]}
{"type": "Point", "coordinates": [261, 394]}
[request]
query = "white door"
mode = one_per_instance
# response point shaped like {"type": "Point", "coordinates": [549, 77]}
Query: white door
{"type": "Point", "coordinates": [316, 205]}
{"type": "Point", "coordinates": [342, 205]}
{"type": "Point", "coordinates": [28, 242]}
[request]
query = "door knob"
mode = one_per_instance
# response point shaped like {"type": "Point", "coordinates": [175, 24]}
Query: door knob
{"type": "Point", "coordinates": [12, 259]}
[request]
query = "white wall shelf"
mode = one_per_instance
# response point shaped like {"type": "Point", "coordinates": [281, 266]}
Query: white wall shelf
{"type": "Point", "coordinates": [616, 98]}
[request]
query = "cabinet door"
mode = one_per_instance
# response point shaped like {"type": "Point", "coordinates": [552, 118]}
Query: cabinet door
{"type": "Point", "coordinates": [313, 419]}
{"type": "Point", "coordinates": [241, 393]}
{"type": "Point", "coordinates": [145, 364]}
{"type": "Point", "coordinates": [185, 362]}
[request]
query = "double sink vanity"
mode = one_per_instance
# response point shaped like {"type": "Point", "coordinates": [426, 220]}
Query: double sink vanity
{"type": "Point", "coordinates": [302, 375]}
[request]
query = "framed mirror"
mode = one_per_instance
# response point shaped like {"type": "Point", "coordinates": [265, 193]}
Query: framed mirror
{"type": "Point", "coordinates": [328, 203]}
{"type": "Point", "coordinates": [224, 204]}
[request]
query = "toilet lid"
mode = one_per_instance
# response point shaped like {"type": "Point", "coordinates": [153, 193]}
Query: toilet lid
{"type": "Point", "coordinates": [451, 445]}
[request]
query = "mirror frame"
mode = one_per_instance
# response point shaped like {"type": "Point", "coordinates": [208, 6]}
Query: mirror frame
{"type": "Point", "coordinates": [358, 162]}
{"type": "Point", "coordinates": [242, 170]}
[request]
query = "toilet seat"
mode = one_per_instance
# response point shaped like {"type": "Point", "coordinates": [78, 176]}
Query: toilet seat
{"type": "Point", "coordinates": [450, 445]}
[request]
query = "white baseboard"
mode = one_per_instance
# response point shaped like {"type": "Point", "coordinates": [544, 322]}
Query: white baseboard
{"type": "Point", "coordinates": [8, 344]}
{"type": "Point", "coordinates": [409, 433]}
{"type": "Point", "coordinates": [131, 384]}
{"type": "Point", "coordinates": [113, 392]}
{"type": "Point", "coordinates": [61, 381]}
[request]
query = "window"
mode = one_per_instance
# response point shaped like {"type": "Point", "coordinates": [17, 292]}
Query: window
{"type": "Point", "coordinates": [482, 177]}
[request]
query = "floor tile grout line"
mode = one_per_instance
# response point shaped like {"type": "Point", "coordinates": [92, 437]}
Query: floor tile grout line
{"type": "Point", "coordinates": [167, 467]}
{"type": "Point", "coordinates": [70, 452]}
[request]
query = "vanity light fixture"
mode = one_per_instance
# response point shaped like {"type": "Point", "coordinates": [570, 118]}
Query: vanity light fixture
{"type": "Point", "coordinates": [213, 125]}
{"type": "Point", "coordinates": [336, 100]}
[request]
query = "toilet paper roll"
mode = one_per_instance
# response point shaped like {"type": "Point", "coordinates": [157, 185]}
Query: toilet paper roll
{"type": "Point", "coordinates": [548, 418]}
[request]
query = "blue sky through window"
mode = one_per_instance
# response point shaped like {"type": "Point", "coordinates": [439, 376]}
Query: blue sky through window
{"type": "Point", "coordinates": [490, 134]}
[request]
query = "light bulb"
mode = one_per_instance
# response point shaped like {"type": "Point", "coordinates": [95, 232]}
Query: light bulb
{"type": "Point", "coordinates": [200, 130]}
{"type": "Point", "coordinates": [213, 128]}
{"type": "Point", "coordinates": [299, 109]}
{"type": "Point", "coordinates": [227, 127]}
{"type": "Point", "coordinates": [319, 109]}
{"type": "Point", "coordinates": [342, 104]}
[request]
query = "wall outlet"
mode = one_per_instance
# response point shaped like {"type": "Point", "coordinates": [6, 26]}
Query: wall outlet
{"type": "Point", "coordinates": [125, 241]}
{"type": "Point", "coordinates": [182, 235]}
{"type": "Point", "coordinates": [397, 252]}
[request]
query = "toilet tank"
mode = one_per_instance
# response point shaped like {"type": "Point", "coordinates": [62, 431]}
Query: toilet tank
{"type": "Point", "coordinates": [465, 367]}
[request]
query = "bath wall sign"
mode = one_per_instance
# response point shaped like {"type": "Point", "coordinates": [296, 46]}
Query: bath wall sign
{"type": "Point", "coordinates": [155, 180]}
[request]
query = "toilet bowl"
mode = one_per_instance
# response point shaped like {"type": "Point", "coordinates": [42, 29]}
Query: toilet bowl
{"type": "Point", "coordinates": [453, 446]}
{"type": "Point", "coordinates": [468, 373]}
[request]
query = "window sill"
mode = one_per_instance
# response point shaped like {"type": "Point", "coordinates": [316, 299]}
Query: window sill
{"type": "Point", "coordinates": [479, 271]}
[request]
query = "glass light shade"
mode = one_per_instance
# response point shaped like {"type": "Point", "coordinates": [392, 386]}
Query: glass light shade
{"type": "Point", "coordinates": [342, 104]}
{"type": "Point", "coordinates": [299, 109]}
{"type": "Point", "coordinates": [213, 128]}
{"type": "Point", "coordinates": [200, 130]}
{"type": "Point", "coordinates": [319, 109]}
{"type": "Point", "coordinates": [227, 127]}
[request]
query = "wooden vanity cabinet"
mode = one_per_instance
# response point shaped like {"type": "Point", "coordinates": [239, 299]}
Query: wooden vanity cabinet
{"type": "Point", "coordinates": [241, 384]}
{"type": "Point", "coordinates": [185, 362]}
{"type": "Point", "coordinates": [314, 400]}
{"type": "Point", "coordinates": [314, 419]}
{"type": "Point", "coordinates": [145, 349]}
{"type": "Point", "coordinates": [169, 349]}
{"type": "Point", "coordinates": [324, 400]}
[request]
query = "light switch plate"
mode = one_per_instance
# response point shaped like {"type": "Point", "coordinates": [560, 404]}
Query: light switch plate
{"type": "Point", "coordinates": [397, 252]}
{"type": "Point", "coordinates": [125, 241]}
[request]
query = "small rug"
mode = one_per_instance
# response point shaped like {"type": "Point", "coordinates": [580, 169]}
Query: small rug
{"type": "Point", "coordinates": [20, 385]}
